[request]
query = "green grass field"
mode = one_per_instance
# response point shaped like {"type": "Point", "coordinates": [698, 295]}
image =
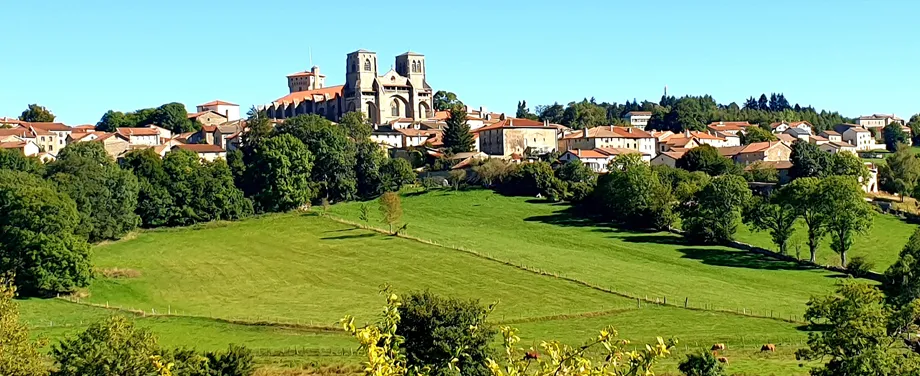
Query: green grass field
{"type": "Point", "coordinates": [298, 274]}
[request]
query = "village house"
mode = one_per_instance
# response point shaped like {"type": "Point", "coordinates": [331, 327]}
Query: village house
{"type": "Point", "coordinates": [148, 136]}
{"type": "Point", "coordinates": [769, 151]}
{"type": "Point", "coordinates": [208, 118]}
{"type": "Point", "coordinates": [817, 140]}
{"type": "Point", "coordinates": [860, 138]}
{"type": "Point", "coordinates": [207, 152]}
{"type": "Point", "coordinates": [733, 127]}
{"type": "Point", "coordinates": [787, 138]}
{"type": "Point", "coordinates": [610, 137]}
{"type": "Point", "coordinates": [878, 121]}
{"type": "Point", "coordinates": [667, 158]}
{"type": "Point", "coordinates": [598, 159]}
{"type": "Point", "coordinates": [114, 144]}
{"type": "Point", "coordinates": [229, 111]}
{"type": "Point", "coordinates": [782, 169]}
{"type": "Point", "coordinates": [52, 137]}
{"type": "Point", "coordinates": [798, 133]}
{"type": "Point", "coordinates": [517, 136]}
{"type": "Point", "coordinates": [638, 119]}
{"type": "Point", "coordinates": [782, 126]}
{"type": "Point", "coordinates": [834, 147]}
{"type": "Point", "coordinates": [832, 136]}
{"type": "Point", "coordinates": [691, 139]}
{"type": "Point", "coordinates": [27, 148]}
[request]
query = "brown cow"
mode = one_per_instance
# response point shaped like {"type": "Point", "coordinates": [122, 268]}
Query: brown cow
{"type": "Point", "coordinates": [768, 347]}
{"type": "Point", "coordinates": [718, 346]}
{"type": "Point", "coordinates": [722, 359]}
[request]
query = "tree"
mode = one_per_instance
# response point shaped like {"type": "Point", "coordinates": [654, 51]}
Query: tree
{"type": "Point", "coordinates": [356, 126]}
{"type": "Point", "coordinates": [174, 117]}
{"type": "Point", "coordinates": [11, 159]}
{"type": "Point", "coordinates": [523, 112]}
{"type": "Point", "coordinates": [805, 192]}
{"type": "Point", "coordinates": [529, 179]}
{"type": "Point", "coordinates": [625, 194]}
{"type": "Point", "coordinates": [712, 216]}
{"type": "Point", "coordinates": [113, 347]}
{"type": "Point", "coordinates": [36, 114]}
{"type": "Point", "coordinates": [584, 114]}
{"type": "Point", "coordinates": [895, 136]}
{"type": "Point", "coordinates": [756, 134]}
{"type": "Point", "coordinates": [445, 100]}
{"type": "Point", "coordinates": [701, 363]}
{"type": "Point", "coordinates": [858, 334]}
{"type": "Point", "coordinates": [437, 330]}
{"type": "Point", "coordinates": [807, 160]}
{"type": "Point", "coordinates": [43, 252]}
{"type": "Point", "coordinates": [390, 209]}
{"type": "Point", "coordinates": [155, 205]}
{"type": "Point", "coordinates": [914, 124]}
{"type": "Point", "coordinates": [901, 171]}
{"type": "Point", "coordinates": [776, 214]}
{"type": "Point", "coordinates": [333, 155]}
{"type": "Point", "coordinates": [847, 164]}
{"type": "Point", "coordinates": [457, 136]}
{"type": "Point", "coordinates": [396, 173]}
{"type": "Point", "coordinates": [106, 195]}
{"type": "Point", "coordinates": [763, 104]}
{"type": "Point", "coordinates": [902, 279]}
{"type": "Point", "coordinates": [841, 202]}
{"type": "Point", "coordinates": [19, 356]}
{"type": "Point", "coordinates": [369, 160]}
{"type": "Point", "coordinates": [456, 177]}
{"type": "Point", "coordinates": [761, 172]}
{"type": "Point", "coordinates": [280, 172]}
{"type": "Point", "coordinates": [113, 120]}
{"type": "Point", "coordinates": [552, 113]}
{"type": "Point", "coordinates": [493, 170]}
{"type": "Point", "coordinates": [707, 159]}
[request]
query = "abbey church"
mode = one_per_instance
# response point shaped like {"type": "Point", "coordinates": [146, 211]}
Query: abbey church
{"type": "Point", "coordinates": [401, 93]}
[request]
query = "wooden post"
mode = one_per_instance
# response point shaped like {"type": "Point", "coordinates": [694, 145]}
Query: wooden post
{"type": "Point", "coordinates": [686, 302]}
{"type": "Point", "coordinates": [638, 303]}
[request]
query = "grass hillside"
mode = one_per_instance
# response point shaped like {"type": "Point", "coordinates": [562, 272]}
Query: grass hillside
{"type": "Point", "coordinates": [280, 282]}
{"type": "Point", "coordinates": [656, 265]}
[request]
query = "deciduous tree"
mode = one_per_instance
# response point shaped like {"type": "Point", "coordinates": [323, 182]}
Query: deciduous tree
{"type": "Point", "coordinates": [280, 171]}
{"type": "Point", "coordinates": [713, 215]}
{"type": "Point", "coordinates": [894, 136]}
{"type": "Point", "coordinates": [36, 114]}
{"type": "Point", "coordinates": [173, 116]}
{"type": "Point", "coordinates": [707, 159]}
{"type": "Point", "coordinates": [842, 203]}
{"type": "Point", "coordinates": [19, 355]}
{"type": "Point", "coordinates": [356, 126]}
{"type": "Point", "coordinates": [756, 134]}
{"type": "Point", "coordinates": [333, 153]}
{"type": "Point", "coordinates": [901, 171]}
{"type": "Point", "coordinates": [902, 279]}
{"type": "Point", "coordinates": [114, 347]}
{"type": "Point", "coordinates": [11, 159]}
{"type": "Point", "coordinates": [390, 209]}
{"type": "Point", "coordinates": [776, 214]}
{"type": "Point", "coordinates": [805, 192]}
{"type": "Point", "coordinates": [445, 100]}
{"type": "Point", "coordinates": [396, 173]}
{"type": "Point", "coordinates": [807, 160]}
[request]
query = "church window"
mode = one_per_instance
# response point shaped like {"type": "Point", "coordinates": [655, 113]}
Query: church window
{"type": "Point", "coordinates": [414, 66]}
{"type": "Point", "coordinates": [367, 64]}
{"type": "Point", "coordinates": [394, 108]}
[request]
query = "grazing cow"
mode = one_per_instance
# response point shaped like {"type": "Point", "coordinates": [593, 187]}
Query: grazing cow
{"type": "Point", "coordinates": [768, 347]}
{"type": "Point", "coordinates": [722, 359]}
{"type": "Point", "coordinates": [718, 346]}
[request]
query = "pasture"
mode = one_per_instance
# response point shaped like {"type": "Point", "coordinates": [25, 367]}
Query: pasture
{"type": "Point", "coordinates": [279, 283]}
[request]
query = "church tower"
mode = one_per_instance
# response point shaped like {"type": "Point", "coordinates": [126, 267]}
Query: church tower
{"type": "Point", "coordinates": [412, 66]}
{"type": "Point", "coordinates": [361, 68]}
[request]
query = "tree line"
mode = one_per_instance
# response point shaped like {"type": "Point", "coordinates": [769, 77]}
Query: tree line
{"type": "Point", "coordinates": [53, 212]}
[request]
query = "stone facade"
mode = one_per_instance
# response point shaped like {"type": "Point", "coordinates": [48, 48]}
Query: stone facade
{"type": "Point", "coordinates": [517, 136]}
{"type": "Point", "coordinates": [400, 93]}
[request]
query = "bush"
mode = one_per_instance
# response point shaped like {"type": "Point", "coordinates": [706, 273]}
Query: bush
{"type": "Point", "coordinates": [702, 363]}
{"type": "Point", "coordinates": [859, 267]}
{"type": "Point", "coordinates": [114, 347]}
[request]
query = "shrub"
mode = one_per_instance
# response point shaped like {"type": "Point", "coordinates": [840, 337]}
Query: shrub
{"type": "Point", "coordinates": [114, 347]}
{"type": "Point", "coordinates": [859, 266]}
{"type": "Point", "coordinates": [702, 363]}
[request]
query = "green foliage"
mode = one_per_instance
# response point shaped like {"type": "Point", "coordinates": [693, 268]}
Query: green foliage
{"type": "Point", "coordinates": [36, 114]}
{"type": "Point", "coordinates": [333, 155]}
{"type": "Point", "coordinates": [627, 195]}
{"type": "Point", "coordinates": [202, 191]}
{"type": "Point", "coordinates": [523, 112]}
{"type": "Point", "coordinates": [19, 356]}
{"type": "Point", "coordinates": [236, 361]}
{"type": "Point", "coordinates": [38, 243]}
{"type": "Point", "coordinates": [113, 120]}
{"type": "Point", "coordinates": [390, 209]}
{"type": "Point", "coordinates": [11, 159]}
{"type": "Point", "coordinates": [456, 177]}
{"type": "Point", "coordinates": [114, 347]}
{"type": "Point", "coordinates": [553, 113]}
{"type": "Point", "coordinates": [396, 173]}
{"type": "Point", "coordinates": [457, 136]}
{"type": "Point", "coordinates": [174, 117]}
{"type": "Point", "coordinates": [902, 279]}
{"type": "Point", "coordinates": [577, 180]}
{"type": "Point", "coordinates": [805, 192]}
{"type": "Point", "coordinates": [529, 179]}
{"type": "Point", "coordinates": [894, 136]}
{"type": "Point", "coordinates": [756, 134]}
{"type": "Point", "coordinates": [701, 363]}
{"type": "Point", "coordinates": [776, 214]}
{"type": "Point", "coordinates": [492, 171]}
{"type": "Point", "coordinates": [807, 160]}
{"type": "Point", "coordinates": [155, 203]}
{"type": "Point", "coordinates": [106, 195]}
{"type": "Point", "coordinates": [356, 125]}
{"type": "Point", "coordinates": [445, 100]}
{"type": "Point", "coordinates": [858, 334]}
{"type": "Point", "coordinates": [847, 164]}
{"type": "Point", "coordinates": [859, 267]}
{"type": "Point", "coordinates": [280, 174]}
{"type": "Point", "coordinates": [900, 172]}
{"type": "Point", "coordinates": [584, 114]}
{"type": "Point", "coordinates": [713, 215]}
{"type": "Point", "coordinates": [369, 159]}
{"type": "Point", "coordinates": [761, 172]}
{"type": "Point", "coordinates": [841, 202]}
{"type": "Point", "coordinates": [438, 330]}
{"type": "Point", "coordinates": [707, 159]}
{"type": "Point", "coordinates": [682, 183]}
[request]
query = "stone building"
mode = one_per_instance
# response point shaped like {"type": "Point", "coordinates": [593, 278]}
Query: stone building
{"type": "Point", "coordinates": [400, 93]}
{"type": "Point", "coordinates": [517, 136]}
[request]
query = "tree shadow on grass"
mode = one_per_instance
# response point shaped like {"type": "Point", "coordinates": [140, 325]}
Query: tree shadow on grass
{"type": "Point", "coordinates": [739, 259]}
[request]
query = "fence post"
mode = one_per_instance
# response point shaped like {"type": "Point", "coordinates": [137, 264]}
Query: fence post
{"type": "Point", "coordinates": [638, 303]}
{"type": "Point", "coordinates": [686, 302]}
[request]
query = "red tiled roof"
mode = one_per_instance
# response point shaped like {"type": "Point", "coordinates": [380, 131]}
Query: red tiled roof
{"type": "Point", "coordinates": [57, 127]}
{"type": "Point", "coordinates": [201, 148]}
{"type": "Point", "coordinates": [516, 123]}
{"type": "Point", "coordinates": [730, 151]}
{"type": "Point", "coordinates": [757, 147]}
{"type": "Point", "coordinates": [786, 137]}
{"type": "Point", "coordinates": [18, 132]}
{"type": "Point", "coordinates": [610, 132]}
{"type": "Point", "coordinates": [674, 154]}
{"type": "Point", "coordinates": [305, 95]}
{"type": "Point", "coordinates": [12, 145]}
{"type": "Point", "coordinates": [218, 103]}
{"type": "Point", "coordinates": [830, 132]}
{"type": "Point", "coordinates": [140, 131]}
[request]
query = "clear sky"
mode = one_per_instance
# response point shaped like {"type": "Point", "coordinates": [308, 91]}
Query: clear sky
{"type": "Point", "coordinates": [81, 58]}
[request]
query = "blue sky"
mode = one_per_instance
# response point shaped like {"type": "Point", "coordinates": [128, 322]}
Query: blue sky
{"type": "Point", "coordinates": [83, 58]}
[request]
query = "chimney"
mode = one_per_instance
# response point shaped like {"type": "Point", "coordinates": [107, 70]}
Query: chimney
{"type": "Point", "coordinates": [545, 122]}
{"type": "Point", "coordinates": [687, 133]}
{"type": "Point", "coordinates": [578, 152]}
{"type": "Point", "coordinates": [585, 131]}
{"type": "Point", "coordinates": [482, 109]}
{"type": "Point", "coordinates": [629, 129]}
{"type": "Point", "coordinates": [511, 122]}
{"type": "Point", "coordinates": [611, 128]}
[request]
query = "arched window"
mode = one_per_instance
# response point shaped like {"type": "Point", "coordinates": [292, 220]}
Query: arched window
{"type": "Point", "coordinates": [367, 65]}
{"type": "Point", "coordinates": [420, 67]}
{"type": "Point", "coordinates": [394, 108]}
{"type": "Point", "coordinates": [414, 66]}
